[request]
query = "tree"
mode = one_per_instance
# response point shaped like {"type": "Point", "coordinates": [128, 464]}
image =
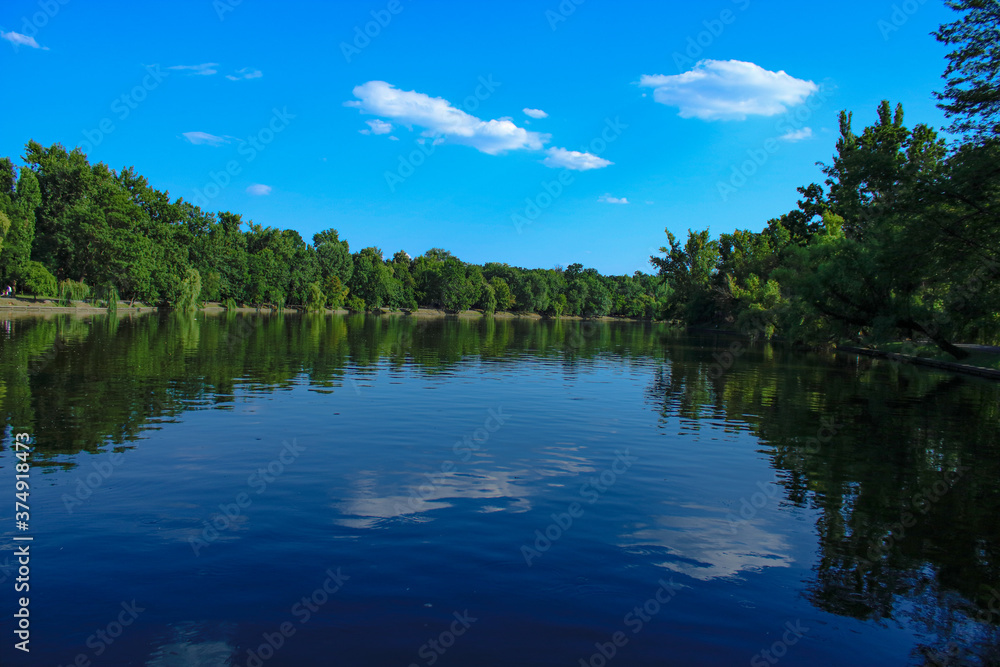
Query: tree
{"type": "Point", "coordinates": [336, 292]}
{"type": "Point", "coordinates": [189, 292]}
{"type": "Point", "coordinates": [372, 281]}
{"type": "Point", "coordinates": [501, 290]}
{"type": "Point", "coordinates": [459, 290]}
{"type": "Point", "coordinates": [333, 255]}
{"type": "Point", "coordinates": [316, 300]}
{"type": "Point", "coordinates": [4, 228]}
{"type": "Point", "coordinates": [597, 302]}
{"type": "Point", "coordinates": [688, 270]}
{"type": "Point", "coordinates": [19, 205]}
{"type": "Point", "coordinates": [971, 97]}
{"type": "Point", "coordinates": [489, 300]}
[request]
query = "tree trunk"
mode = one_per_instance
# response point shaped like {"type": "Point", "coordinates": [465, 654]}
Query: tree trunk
{"type": "Point", "coordinates": [938, 339]}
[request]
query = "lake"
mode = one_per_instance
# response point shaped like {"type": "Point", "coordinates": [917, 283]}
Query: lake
{"type": "Point", "coordinates": [348, 490]}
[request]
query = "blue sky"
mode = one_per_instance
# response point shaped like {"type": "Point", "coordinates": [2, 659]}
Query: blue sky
{"type": "Point", "coordinates": [534, 133]}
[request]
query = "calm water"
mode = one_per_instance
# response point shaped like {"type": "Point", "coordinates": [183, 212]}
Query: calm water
{"type": "Point", "coordinates": [385, 491]}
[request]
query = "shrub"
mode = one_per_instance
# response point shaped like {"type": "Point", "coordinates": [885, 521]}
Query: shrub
{"type": "Point", "coordinates": [316, 300]}
{"type": "Point", "coordinates": [190, 290]}
{"type": "Point", "coordinates": [38, 281]}
{"type": "Point", "coordinates": [71, 290]}
{"type": "Point", "coordinates": [355, 304]}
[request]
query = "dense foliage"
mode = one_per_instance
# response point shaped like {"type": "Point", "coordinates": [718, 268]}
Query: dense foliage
{"type": "Point", "coordinates": [67, 222]}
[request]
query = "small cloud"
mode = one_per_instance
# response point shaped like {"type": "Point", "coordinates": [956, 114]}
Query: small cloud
{"type": "Point", "coordinates": [560, 158]}
{"type": "Point", "coordinates": [608, 199]}
{"type": "Point", "coordinates": [204, 69]}
{"type": "Point", "coordinates": [258, 189]}
{"type": "Point", "coordinates": [200, 138]}
{"type": "Point", "coordinates": [728, 90]}
{"type": "Point", "coordinates": [393, 138]}
{"type": "Point", "coordinates": [797, 135]}
{"type": "Point", "coordinates": [378, 127]}
{"type": "Point", "coordinates": [535, 113]}
{"type": "Point", "coordinates": [18, 39]}
{"type": "Point", "coordinates": [245, 73]}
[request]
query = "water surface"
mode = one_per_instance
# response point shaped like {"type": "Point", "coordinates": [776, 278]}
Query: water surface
{"type": "Point", "coordinates": [390, 491]}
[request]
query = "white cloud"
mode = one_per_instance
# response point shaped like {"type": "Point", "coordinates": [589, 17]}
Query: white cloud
{"type": "Point", "coordinates": [440, 119]}
{"type": "Point", "coordinates": [377, 127]}
{"type": "Point", "coordinates": [199, 138]}
{"type": "Point", "coordinates": [728, 90]}
{"type": "Point", "coordinates": [560, 158]}
{"type": "Point", "coordinates": [259, 189]}
{"type": "Point", "coordinates": [244, 73]}
{"type": "Point", "coordinates": [22, 40]}
{"type": "Point", "coordinates": [204, 69]}
{"type": "Point", "coordinates": [797, 135]}
{"type": "Point", "coordinates": [608, 199]}
{"type": "Point", "coordinates": [535, 113]}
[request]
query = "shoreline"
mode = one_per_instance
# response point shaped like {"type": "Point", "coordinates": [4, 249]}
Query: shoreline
{"type": "Point", "coordinates": [17, 305]}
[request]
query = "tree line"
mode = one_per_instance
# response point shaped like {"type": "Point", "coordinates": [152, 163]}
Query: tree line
{"type": "Point", "coordinates": [72, 229]}
{"type": "Point", "coordinates": [901, 241]}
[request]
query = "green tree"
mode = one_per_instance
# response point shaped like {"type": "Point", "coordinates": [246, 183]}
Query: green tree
{"type": "Point", "coordinates": [19, 204]}
{"type": "Point", "coordinates": [190, 291]}
{"type": "Point", "coordinates": [971, 97]}
{"type": "Point", "coordinates": [688, 271]}
{"type": "Point", "coordinates": [372, 281]}
{"type": "Point", "coordinates": [316, 300]}
{"type": "Point", "coordinates": [501, 290]}
{"type": "Point", "coordinates": [333, 255]}
{"type": "Point", "coordinates": [336, 292]}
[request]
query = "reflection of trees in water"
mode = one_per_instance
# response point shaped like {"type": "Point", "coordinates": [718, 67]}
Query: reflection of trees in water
{"type": "Point", "coordinates": [907, 488]}
{"type": "Point", "coordinates": [79, 383]}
